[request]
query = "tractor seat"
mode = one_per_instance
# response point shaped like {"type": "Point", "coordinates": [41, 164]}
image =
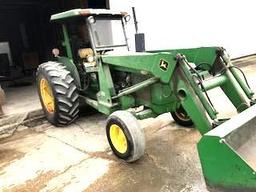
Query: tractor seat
{"type": "Point", "coordinates": [87, 56]}
{"type": "Point", "coordinates": [85, 53]}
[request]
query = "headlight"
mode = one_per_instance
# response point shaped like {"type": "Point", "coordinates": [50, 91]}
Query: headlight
{"type": "Point", "coordinates": [90, 58]}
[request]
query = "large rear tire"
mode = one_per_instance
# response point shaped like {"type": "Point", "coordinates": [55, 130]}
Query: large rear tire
{"type": "Point", "coordinates": [125, 136]}
{"type": "Point", "coordinates": [58, 93]}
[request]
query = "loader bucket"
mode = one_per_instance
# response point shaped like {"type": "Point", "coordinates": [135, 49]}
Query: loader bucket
{"type": "Point", "coordinates": [228, 153]}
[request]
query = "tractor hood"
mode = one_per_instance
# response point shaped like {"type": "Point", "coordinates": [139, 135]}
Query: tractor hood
{"type": "Point", "coordinates": [160, 64]}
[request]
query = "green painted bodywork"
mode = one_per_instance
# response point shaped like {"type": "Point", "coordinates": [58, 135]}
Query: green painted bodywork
{"type": "Point", "coordinates": [144, 63]}
{"type": "Point", "coordinates": [71, 67]}
{"type": "Point", "coordinates": [222, 166]}
{"type": "Point", "coordinates": [163, 80]}
{"type": "Point", "coordinates": [66, 42]}
{"type": "Point", "coordinates": [204, 56]}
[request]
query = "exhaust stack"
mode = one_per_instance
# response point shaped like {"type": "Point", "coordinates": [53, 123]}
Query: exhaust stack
{"type": "Point", "coordinates": [139, 37]}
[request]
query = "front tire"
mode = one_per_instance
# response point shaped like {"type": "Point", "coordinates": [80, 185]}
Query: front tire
{"type": "Point", "coordinates": [58, 93]}
{"type": "Point", "coordinates": [181, 117]}
{"type": "Point", "coordinates": [125, 136]}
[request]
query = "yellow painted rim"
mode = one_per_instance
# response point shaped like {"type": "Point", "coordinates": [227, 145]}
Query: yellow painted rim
{"type": "Point", "coordinates": [118, 138]}
{"type": "Point", "coordinates": [47, 96]}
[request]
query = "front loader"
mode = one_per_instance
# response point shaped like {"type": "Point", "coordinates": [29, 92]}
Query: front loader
{"type": "Point", "coordinates": [101, 71]}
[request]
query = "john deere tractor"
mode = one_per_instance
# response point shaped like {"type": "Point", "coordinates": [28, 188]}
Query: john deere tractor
{"type": "Point", "coordinates": [96, 67]}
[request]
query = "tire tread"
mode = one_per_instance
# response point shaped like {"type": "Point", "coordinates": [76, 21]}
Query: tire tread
{"type": "Point", "coordinates": [64, 90]}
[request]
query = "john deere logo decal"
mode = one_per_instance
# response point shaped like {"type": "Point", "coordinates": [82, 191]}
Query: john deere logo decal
{"type": "Point", "coordinates": [163, 65]}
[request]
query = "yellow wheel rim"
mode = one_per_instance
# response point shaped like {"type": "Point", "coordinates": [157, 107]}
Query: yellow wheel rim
{"type": "Point", "coordinates": [47, 96]}
{"type": "Point", "coordinates": [118, 138]}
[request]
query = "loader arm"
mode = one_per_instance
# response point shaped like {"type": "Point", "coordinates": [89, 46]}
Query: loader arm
{"type": "Point", "coordinates": [192, 89]}
{"type": "Point", "coordinates": [226, 149]}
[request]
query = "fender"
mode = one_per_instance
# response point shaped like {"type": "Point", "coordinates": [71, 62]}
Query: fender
{"type": "Point", "coordinates": [71, 67]}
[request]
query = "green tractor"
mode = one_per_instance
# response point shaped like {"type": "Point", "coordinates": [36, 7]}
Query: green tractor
{"type": "Point", "coordinates": [98, 69]}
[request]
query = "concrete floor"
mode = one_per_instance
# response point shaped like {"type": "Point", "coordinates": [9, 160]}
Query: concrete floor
{"type": "Point", "coordinates": [21, 99]}
{"type": "Point", "coordinates": [78, 157]}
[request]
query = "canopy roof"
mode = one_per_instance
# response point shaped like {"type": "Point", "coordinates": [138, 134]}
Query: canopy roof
{"type": "Point", "coordinates": [84, 12]}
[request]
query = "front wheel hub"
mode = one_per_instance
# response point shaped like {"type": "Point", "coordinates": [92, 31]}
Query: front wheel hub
{"type": "Point", "coordinates": [118, 138]}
